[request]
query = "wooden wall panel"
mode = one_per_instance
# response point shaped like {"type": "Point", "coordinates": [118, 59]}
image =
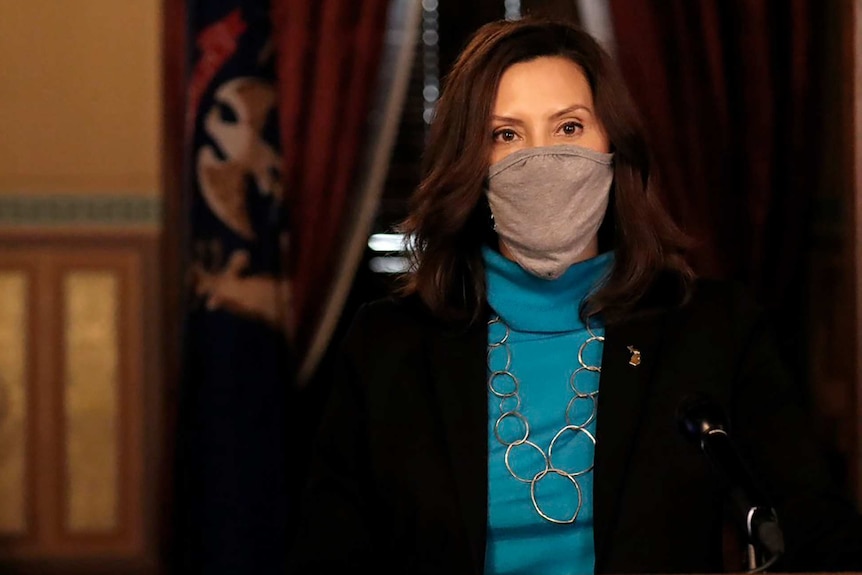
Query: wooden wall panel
{"type": "Point", "coordinates": [15, 306]}
{"type": "Point", "coordinates": [92, 417]}
{"type": "Point", "coordinates": [91, 410]}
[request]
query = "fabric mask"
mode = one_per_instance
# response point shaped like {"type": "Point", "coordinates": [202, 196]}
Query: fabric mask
{"type": "Point", "coordinates": [548, 203]}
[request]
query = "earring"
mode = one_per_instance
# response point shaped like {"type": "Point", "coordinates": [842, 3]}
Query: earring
{"type": "Point", "coordinates": [493, 223]}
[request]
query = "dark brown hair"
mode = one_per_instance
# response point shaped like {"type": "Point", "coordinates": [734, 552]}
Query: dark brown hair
{"type": "Point", "coordinates": [449, 220]}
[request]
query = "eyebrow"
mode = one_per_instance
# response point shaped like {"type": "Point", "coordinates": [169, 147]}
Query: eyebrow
{"type": "Point", "coordinates": [554, 116]}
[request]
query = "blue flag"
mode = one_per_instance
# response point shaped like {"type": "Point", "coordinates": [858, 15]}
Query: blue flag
{"type": "Point", "coordinates": [232, 468]}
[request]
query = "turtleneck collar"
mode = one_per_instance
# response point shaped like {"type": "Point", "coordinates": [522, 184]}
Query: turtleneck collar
{"type": "Point", "coordinates": [529, 303]}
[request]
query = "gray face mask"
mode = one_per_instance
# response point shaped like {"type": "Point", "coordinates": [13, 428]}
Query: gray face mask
{"type": "Point", "coordinates": [548, 203]}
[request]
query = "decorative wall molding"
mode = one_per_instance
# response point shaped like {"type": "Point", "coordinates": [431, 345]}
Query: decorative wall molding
{"type": "Point", "coordinates": [66, 210]}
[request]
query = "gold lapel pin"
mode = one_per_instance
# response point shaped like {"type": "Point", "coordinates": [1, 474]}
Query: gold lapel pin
{"type": "Point", "coordinates": [635, 359]}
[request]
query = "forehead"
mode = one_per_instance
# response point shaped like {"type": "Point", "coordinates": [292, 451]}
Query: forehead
{"type": "Point", "coordinates": [549, 80]}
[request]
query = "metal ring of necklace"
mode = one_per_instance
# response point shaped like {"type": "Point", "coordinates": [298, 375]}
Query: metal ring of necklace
{"type": "Point", "coordinates": [505, 385]}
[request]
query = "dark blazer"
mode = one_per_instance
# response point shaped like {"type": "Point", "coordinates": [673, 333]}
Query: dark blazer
{"type": "Point", "coordinates": [398, 481]}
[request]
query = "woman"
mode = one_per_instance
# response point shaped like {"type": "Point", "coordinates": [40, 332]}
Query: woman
{"type": "Point", "coordinates": [516, 407]}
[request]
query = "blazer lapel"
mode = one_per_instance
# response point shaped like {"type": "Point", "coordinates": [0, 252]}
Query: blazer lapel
{"type": "Point", "coordinates": [628, 359]}
{"type": "Point", "coordinates": [458, 372]}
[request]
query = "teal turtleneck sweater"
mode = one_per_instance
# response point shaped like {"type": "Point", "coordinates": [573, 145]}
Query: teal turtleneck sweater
{"type": "Point", "coordinates": [545, 332]}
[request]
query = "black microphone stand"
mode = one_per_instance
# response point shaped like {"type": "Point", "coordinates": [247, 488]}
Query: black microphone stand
{"type": "Point", "coordinates": [765, 541]}
{"type": "Point", "coordinates": [702, 420]}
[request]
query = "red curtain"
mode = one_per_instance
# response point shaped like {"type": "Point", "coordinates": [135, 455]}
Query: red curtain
{"type": "Point", "coordinates": [730, 99]}
{"type": "Point", "coordinates": [740, 100]}
{"type": "Point", "coordinates": [329, 57]}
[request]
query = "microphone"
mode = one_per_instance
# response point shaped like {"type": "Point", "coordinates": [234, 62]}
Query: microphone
{"type": "Point", "coordinates": [702, 421]}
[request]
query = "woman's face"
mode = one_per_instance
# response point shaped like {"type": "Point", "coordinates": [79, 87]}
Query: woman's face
{"type": "Point", "coordinates": [544, 102]}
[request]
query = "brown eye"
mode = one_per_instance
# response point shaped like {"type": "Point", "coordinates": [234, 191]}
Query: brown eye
{"type": "Point", "coordinates": [504, 135]}
{"type": "Point", "coordinates": [572, 128]}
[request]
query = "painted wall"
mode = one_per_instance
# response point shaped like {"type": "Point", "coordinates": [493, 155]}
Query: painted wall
{"type": "Point", "coordinates": [80, 98]}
